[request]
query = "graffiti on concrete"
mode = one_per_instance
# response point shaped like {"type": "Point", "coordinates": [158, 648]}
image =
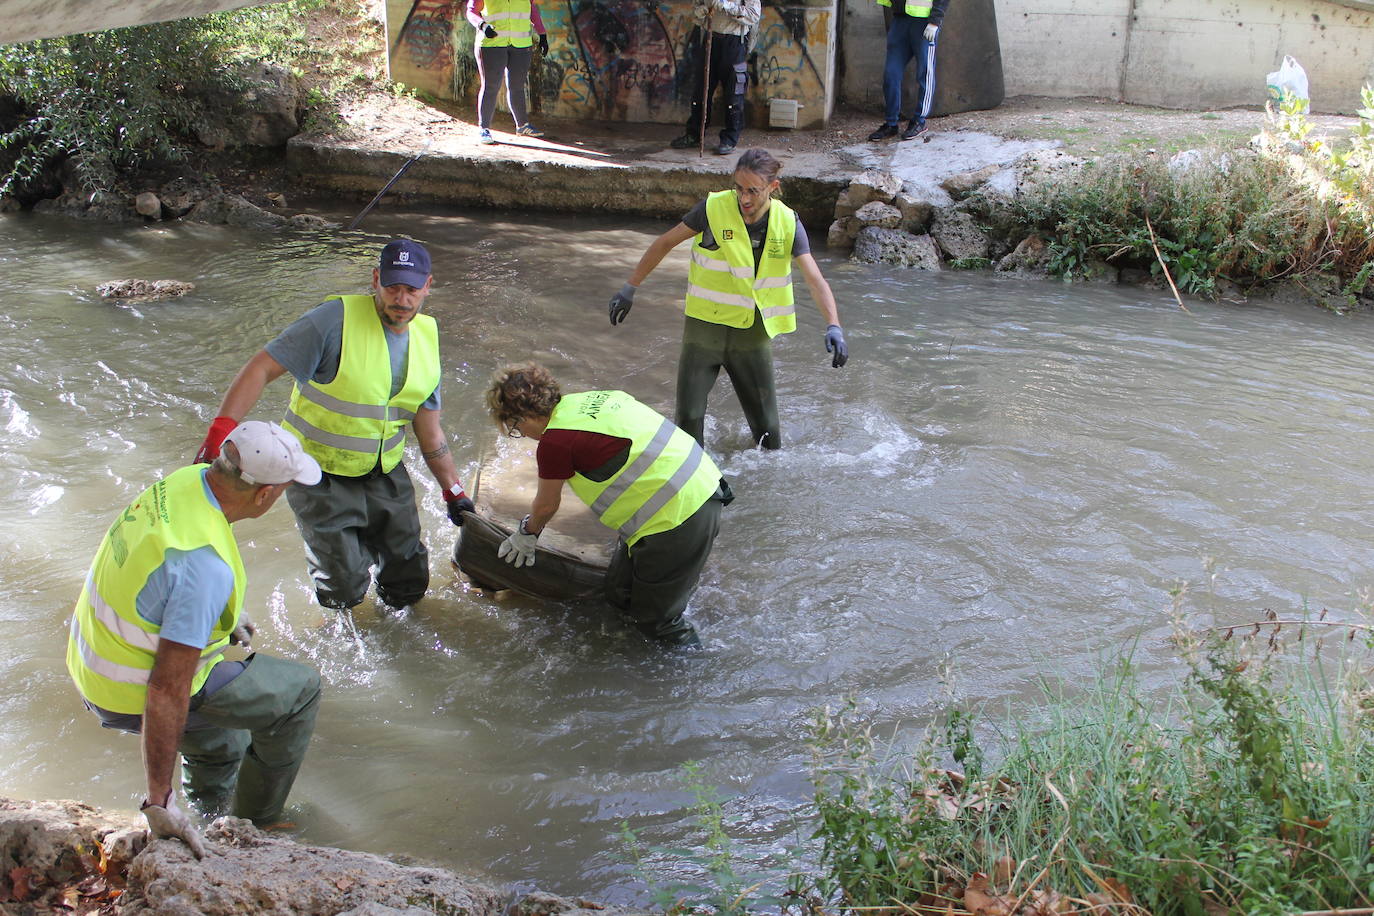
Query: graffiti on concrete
{"type": "Point", "coordinates": [425, 39]}
{"type": "Point", "coordinates": [634, 60]}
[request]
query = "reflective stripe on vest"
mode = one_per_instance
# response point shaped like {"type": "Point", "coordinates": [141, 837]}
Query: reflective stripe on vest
{"type": "Point", "coordinates": [512, 21]}
{"type": "Point", "coordinates": [722, 285]}
{"type": "Point", "coordinates": [351, 423]}
{"type": "Point", "coordinates": [136, 637]}
{"type": "Point", "coordinates": [110, 648]}
{"type": "Point", "coordinates": [665, 479]}
{"type": "Point", "coordinates": [913, 10]}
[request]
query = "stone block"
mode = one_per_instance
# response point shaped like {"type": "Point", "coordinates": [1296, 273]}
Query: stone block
{"type": "Point", "coordinates": [877, 213]}
{"type": "Point", "coordinates": [958, 235]}
{"type": "Point", "coordinates": [965, 183]}
{"type": "Point", "coordinates": [916, 211]}
{"type": "Point", "coordinates": [874, 184]}
{"type": "Point", "coordinates": [874, 245]}
{"type": "Point", "coordinates": [842, 232]}
{"type": "Point", "coordinates": [147, 204]}
{"type": "Point", "coordinates": [1030, 254]}
{"type": "Point", "coordinates": [844, 204]}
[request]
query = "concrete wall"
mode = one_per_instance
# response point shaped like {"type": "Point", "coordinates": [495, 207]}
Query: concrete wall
{"type": "Point", "coordinates": [622, 60]}
{"type": "Point", "coordinates": [25, 20]}
{"type": "Point", "coordinates": [1170, 53]}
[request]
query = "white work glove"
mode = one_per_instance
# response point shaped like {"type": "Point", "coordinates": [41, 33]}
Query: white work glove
{"type": "Point", "coordinates": [931, 31]}
{"type": "Point", "coordinates": [170, 821]}
{"type": "Point", "coordinates": [243, 634]}
{"type": "Point", "coordinates": [519, 549]}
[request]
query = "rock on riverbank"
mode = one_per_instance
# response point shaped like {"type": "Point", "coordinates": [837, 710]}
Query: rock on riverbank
{"type": "Point", "coordinates": [65, 856]}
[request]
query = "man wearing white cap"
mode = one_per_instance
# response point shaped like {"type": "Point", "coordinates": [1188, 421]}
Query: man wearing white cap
{"type": "Point", "coordinates": [365, 367]}
{"type": "Point", "coordinates": [162, 601]}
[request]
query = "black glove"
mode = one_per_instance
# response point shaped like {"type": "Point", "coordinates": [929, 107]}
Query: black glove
{"type": "Point", "coordinates": [621, 302]}
{"type": "Point", "coordinates": [834, 342]}
{"type": "Point", "coordinates": [488, 30]}
{"type": "Point", "coordinates": [457, 502]}
{"type": "Point", "coordinates": [544, 45]}
{"type": "Point", "coordinates": [457, 508]}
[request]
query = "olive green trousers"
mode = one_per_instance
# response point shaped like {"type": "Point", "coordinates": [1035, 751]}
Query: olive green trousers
{"type": "Point", "coordinates": [252, 736]}
{"type": "Point", "coordinates": [746, 355]}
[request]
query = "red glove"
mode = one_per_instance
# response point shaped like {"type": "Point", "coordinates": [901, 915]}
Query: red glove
{"type": "Point", "coordinates": [219, 431]}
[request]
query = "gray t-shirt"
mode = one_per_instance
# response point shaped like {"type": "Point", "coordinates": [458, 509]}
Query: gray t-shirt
{"type": "Point", "coordinates": [758, 231]}
{"type": "Point", "coordinates": [310, 347]}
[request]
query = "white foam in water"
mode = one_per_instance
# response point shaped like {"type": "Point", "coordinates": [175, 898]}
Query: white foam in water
{"type": "Point", "coordinates": [17, 422]}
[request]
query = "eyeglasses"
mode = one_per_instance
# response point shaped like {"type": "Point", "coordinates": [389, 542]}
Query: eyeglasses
{"type": "Point", "coordinates": [513, 429]}
{"type": "Point", "coordinates": [751, 192]}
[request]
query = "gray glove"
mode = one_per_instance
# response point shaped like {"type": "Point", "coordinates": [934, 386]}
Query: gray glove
{"type": "Point", "coordinates": [931, 31]}
{"type": "Point", "coordinates": [834, 343]}
{"type": "Point", "coordinates": [621, 302]}
{"type": "Point", "coordinates": [170, 821]}
{"type": "Point", "coordinates": [243, 634]}
{"type": "Point", "coordinates": [520, 548]}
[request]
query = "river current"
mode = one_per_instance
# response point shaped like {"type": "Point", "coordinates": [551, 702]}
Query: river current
{"type": "Point", "coordinates": [1006, 480]}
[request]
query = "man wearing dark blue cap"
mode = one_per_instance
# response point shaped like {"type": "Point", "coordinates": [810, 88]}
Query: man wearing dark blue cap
{"type": "Point", "coordinates": [364, 368]}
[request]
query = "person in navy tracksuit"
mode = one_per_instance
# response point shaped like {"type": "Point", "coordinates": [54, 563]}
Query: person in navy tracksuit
{"type": "Point", "coordinates": [912, 32]}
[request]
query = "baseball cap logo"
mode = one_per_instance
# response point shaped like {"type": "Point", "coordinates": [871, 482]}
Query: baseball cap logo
{"type": "Point", "coordinates": [403, 258]}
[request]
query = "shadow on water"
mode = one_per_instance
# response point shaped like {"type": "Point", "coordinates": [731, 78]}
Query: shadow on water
{"type": "Point", "coordinates": [1009, 474]}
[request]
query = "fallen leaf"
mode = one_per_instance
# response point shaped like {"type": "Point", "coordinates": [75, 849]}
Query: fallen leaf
{"type": "Point", "coordinates": [979, 902]}
{"type": "Point", "coordinates": [1048, 903]}
{"type": "Point", "coordinates": [19, 881]}
{"type": "Point", "coordinates": [1112, 889]}
{"type": "Point", "coordinates": [94, 886]}
{"type": "Point", "coordinates": [1004, 869]}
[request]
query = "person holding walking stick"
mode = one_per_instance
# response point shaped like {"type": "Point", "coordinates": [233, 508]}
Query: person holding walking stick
{"type": "Point", "coordinates": [721, 37]}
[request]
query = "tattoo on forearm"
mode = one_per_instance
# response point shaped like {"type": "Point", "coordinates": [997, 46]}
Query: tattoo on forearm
{"type": "Point", "coordinates": [439, 452]}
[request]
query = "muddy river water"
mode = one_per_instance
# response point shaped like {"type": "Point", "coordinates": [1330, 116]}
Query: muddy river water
{"type": "Point", "coordinates": [1007, 479]}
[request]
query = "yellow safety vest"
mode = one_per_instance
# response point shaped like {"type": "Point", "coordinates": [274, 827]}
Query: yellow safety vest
{"type": "Point", "coordinates": [722, 287]}
{"type": "Point", "coordinates": [111, 649]}
{"type": "Point", "coordinates": [512, 21]}
{"type": "Point", "coordinates": [666, 477]}
{"type": "Point", "coordinates": [351, 423]}
{"type": "Point", "coordinates": [914, 10]}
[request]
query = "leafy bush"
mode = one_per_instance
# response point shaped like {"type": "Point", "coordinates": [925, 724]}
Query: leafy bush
{"type": "Point", "coordinates": [122, 98]}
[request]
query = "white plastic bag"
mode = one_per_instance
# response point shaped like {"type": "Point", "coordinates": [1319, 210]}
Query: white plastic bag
{"type": "Point", "coordinates": [1289, 81]}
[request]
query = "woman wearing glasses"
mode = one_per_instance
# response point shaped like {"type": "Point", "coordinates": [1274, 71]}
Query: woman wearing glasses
{"type": "Point", "coordinates": [641, 475]}
{"type": "Point", "coordinates": [739, 295]}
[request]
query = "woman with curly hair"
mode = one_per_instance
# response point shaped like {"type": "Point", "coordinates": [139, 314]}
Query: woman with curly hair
{"type": "Point", "coordinates": [641, 475]}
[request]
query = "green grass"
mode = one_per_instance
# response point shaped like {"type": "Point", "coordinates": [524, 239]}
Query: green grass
{"type": "Point", "coordinates": [1244, 789]}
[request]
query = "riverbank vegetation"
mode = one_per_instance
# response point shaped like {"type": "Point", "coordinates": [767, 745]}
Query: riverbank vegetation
{"type": "Point", "coordinates": [1244, 788]}
{"type": "Point", "coordinates": [1293, 207]}
{"type": "Point", "coordinates": [101, 105]}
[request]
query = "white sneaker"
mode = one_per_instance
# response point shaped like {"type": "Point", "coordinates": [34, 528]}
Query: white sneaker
{"type": "Point", "coordinates": [484, 136]}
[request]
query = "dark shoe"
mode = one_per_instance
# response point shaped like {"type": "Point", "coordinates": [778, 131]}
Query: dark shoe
{"type": "Point", "coordinates": [725, 148]}
{"type": "Point", "coordinates": [914, 130]}
{"type": "Point", "coordinates": [883, 132]}
{"type": "Point", "coordinates": [686, 141]}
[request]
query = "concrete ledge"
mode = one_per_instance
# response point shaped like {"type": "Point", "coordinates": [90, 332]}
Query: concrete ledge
{"type": "Point", "coordinates": [532, 175]}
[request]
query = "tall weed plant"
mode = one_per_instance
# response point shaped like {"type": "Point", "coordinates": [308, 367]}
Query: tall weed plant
{"type": "Point", "coordinates": [119, 99]}
{"type": "Point", "coordinates": [1245, 789]}
{"type": "Point", "coordinates": [1294, 206]}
